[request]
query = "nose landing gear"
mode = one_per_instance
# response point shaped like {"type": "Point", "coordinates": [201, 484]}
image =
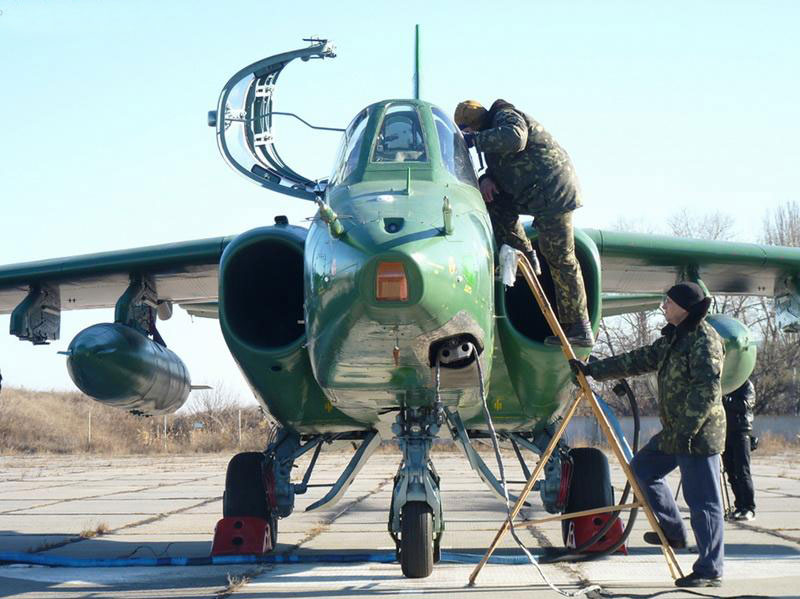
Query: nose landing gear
{"type": "Point", "coordinates": [415, 519]}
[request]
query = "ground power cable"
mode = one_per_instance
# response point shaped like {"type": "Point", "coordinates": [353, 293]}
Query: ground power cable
{"type": "Point", "coordinates": [379, 557]}
{"type": "Point", "coordinates": [499, 458]}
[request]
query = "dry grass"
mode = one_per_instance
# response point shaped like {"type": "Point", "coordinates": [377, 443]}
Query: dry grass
{"type": "Point", "coordinates": [234, 584]}
{"type": "Point", "coordinates": [58, 422]}
{"type": "Point", "coordinates": [97, 531]}
{"type": "Point", "coordinates": [771, 444]}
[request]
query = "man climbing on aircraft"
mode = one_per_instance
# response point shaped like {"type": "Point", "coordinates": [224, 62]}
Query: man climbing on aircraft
{"type": "Point", "coordinates": [529, 173]}
{"type": "Point", "coordinates": [688, 359]}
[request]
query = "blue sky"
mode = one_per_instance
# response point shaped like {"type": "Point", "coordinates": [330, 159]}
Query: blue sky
{"type": "Point", "coordinates": [661, 106]}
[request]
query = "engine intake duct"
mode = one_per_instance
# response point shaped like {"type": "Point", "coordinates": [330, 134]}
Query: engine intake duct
{"type": "Point", "coordinates": [261, 296]}
{"type": "Point", "coordinates": [521, 308]}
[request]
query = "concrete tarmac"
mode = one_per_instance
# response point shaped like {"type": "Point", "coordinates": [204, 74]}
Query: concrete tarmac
{"type": "Point", "coordinates": [167, 506]}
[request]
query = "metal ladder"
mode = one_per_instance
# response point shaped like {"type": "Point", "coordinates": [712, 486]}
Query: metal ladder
{"type": "Point", "coordinates": [640, 501]}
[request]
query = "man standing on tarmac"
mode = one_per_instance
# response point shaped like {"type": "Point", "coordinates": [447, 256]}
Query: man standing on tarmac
{"type": "Point", "coordinates": [739, 416]}
{"type": "Point", "coordinates": [688, 359]}
{"type": "Point", "coordinates": [529, 173]}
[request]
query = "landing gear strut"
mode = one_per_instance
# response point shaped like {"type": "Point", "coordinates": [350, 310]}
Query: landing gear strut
{"type": "Point", "coordinates": [415, 519]}
{"type": "Point", "coordinates": [259, 488]}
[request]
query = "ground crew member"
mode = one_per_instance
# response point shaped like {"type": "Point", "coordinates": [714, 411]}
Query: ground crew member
{"type": "Point", "coordinates": [529, 173]}
{"type": "Point", "coordinates": [736, 458]}
{"type": "Point", "coordinates": [688, 359]}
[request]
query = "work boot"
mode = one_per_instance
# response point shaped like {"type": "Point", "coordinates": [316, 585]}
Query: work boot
{"type": "Point", "coordinates": [578, 333]}
{"type": "Point", "coordinates": [697, 580]}
{"type": "Point", "coordinates": [744, 515]}
{"type": "Point", "coordinates": [653, 539]}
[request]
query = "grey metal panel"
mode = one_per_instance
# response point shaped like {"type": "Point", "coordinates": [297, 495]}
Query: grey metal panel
{"type": "Point", "coordinates": [183, 272]}
{"type": "Point", "coordinates": [615, 304]}
{"type": "Point", "coordinates": [623, 275]}
{"type": "Point", "coordinates": [640, 263]}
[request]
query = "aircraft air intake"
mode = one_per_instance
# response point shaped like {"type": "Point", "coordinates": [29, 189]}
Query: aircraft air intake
{"type": "Point", "coordinates": [261, 290]}
{"type": "Point", "coordinates": [521, 309]}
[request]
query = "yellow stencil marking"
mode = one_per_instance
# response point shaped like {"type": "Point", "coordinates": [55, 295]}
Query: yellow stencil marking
{"type": "Point", "coordinates": [328, 406]}
{"type": "Point", "coordinates": [498, 405]}
{"type": "Point", "coordinates": [467, 289]}
{"type": "Point", "coordinates": [451, 265]}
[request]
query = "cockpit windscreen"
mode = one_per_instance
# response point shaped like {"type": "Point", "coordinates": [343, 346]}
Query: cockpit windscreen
{"type": "Point", "coordinates": [400, 137]}
{"type": "Point", "coordinates": [455, 154]}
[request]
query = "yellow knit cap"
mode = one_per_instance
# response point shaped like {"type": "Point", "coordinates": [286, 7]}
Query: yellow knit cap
{"type": "Point", "coordinates": [469, 113]}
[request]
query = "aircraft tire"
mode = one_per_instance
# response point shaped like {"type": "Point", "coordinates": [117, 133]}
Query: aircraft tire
{"type": "Point", "coordinates": [591, 483]}
{"type": "Point", "coordinates": [416, 540]}
{"type": "Point", "coordinates": [244, 487]}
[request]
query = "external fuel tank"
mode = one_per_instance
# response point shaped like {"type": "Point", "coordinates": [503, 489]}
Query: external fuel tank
{"type": "Point", "coordinates": [117, 365]}
{"type": "Point", "coordinates": [740, 350]}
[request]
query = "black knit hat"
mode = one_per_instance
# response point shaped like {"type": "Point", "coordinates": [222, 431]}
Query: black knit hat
{"type": "Point", "coordinates": [687, 295]}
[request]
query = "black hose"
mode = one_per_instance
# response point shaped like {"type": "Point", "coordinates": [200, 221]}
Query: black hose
{"type": "Point", "coordinates": [576, 555]}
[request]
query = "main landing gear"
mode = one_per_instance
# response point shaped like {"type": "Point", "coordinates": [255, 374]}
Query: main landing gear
{"type": "Point", "coordinates": [246, 495]}
{"type": "Point", "coordinates": [259, 489]}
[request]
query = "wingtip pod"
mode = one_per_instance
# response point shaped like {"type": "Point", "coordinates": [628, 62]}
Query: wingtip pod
{"type": "Point", "coordinates": [119, 366]}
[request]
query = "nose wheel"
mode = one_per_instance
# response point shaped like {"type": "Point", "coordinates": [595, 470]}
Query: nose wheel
{"type": "Point", "coordinates": [416, 540]}
{"type": "Point", "coordinates": [415, 519]}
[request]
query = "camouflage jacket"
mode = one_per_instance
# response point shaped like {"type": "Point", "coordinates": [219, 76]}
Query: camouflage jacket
{"type": "Point", "coordinates": [526, 163]}
{"type": "Point", "coordinates": [689, 366]}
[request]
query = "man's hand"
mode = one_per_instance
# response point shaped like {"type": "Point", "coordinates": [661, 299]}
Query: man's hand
{"type": "Point", "coordinates": [683, 445]}
{"type": "Point", "coordinates": [488, 189]}
{"type": "Point", "coordinates": [469, 138]}
{"type": "Point", "coordinates": [579, 366]}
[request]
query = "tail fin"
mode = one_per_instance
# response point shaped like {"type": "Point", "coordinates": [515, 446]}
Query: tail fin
{"type": "Point", "coordinates": [416, 62]}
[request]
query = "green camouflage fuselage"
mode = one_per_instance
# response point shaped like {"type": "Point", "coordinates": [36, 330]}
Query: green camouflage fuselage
{"type": "Point", "coordinates": [369, 356]}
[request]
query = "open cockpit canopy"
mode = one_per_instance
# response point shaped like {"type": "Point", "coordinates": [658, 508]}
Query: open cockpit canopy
{"type": "Point", "coordinates": [382, 139]}
{"type": "Point", "coordinates": [243, 121]}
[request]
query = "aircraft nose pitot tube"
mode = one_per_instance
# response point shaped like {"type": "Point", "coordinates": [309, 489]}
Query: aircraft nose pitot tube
{"type": "Point", "coordinates": [119, 366]}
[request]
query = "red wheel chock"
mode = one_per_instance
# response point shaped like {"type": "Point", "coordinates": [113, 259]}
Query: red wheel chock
{"type": "Point", "coordinates": [241, 536]}
{"type": "Point", "coordinates": [583, 528]}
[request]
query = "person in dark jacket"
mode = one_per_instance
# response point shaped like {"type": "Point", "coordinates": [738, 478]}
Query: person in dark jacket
{"type": "Point", "coordinates": [529, 173]}
{"type": "Point", "coordinates": [688, 361]}
{"type": "Point", "coordinates": [736, 458]}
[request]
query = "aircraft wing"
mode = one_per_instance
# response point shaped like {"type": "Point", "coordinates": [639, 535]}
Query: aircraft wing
{"type": "Point", "coordinates": [183, 273]}
{"type": "Point", "coordinates": [636, 263]}
{"type": "Point", "coordinates": [641, 263]}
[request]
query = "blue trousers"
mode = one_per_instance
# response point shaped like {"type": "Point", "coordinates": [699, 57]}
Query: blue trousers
{"type": "Point", "coordinates": [701, 490]}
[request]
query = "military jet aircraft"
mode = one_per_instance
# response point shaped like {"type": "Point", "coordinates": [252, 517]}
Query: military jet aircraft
{"type": "Point", "coordinates": [383, 319]}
